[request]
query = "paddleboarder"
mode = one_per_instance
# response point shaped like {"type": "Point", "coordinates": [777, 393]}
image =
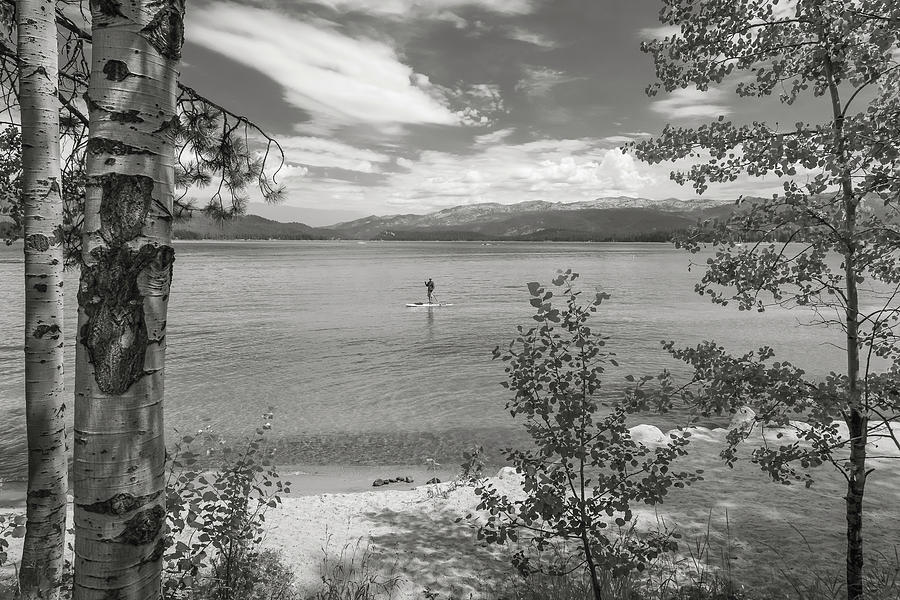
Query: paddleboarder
{"type": "Point", "coordinates": [429, 287]}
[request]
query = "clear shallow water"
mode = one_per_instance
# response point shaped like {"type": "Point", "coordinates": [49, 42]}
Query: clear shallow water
{"type": "Point", "coordinates": [320, 331]}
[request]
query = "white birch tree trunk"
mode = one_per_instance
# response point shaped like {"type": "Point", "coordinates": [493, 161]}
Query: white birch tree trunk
{"type": "Point", "coordinates": [42, 555]}
{"type": "Point", "coordinates": [122, 299]}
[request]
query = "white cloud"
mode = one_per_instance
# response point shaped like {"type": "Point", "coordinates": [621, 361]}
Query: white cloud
{"type": "Point", "coordinates": [551, 170]}
{"type": "Point", "coordinates": [618, 139]}
{"type": "Point", "coordinates": [531, 37]}
{"type": "Point", "coordinates": [291, 171]}
{"type": "Point", "coordinates": [340, 80]}
{"type": "Point", "coordinates": [327, 153]}
{"type": "Point", "coordinates": [624, 138]}
{"type": "Point", "coordinates": [691, 103]}
{"type": "Point", "coordinates": [476, 105]}
{"type": "Point", "coordinates": [614, 173]}
{"type": "Point", "coordinates": [537, 81]}
{"type": "Point", "coordinates": [785, 9]}
{"type": "Point", "coordinates": [495, 136]}
{"type": "Point", "coordinates": [404, 9]}
{"type": "Point", "coordinates": [624, 172]}
{"type": "Point", "coordinates": [331, 193]}
{"type": "Point", "coordinates": [451, 17]}
{"type": "Point", "coordinates": [555, 170]}
{"type": "Point", "coordinates": [658, 33]}
{"type": "Point", "coordinates": [569, 146]}
{"type": "Point", "coordinates": [482, 104]}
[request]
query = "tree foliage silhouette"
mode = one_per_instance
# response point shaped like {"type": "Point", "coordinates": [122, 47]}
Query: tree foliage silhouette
{"type": "Point", "coordinates": [837, 210]}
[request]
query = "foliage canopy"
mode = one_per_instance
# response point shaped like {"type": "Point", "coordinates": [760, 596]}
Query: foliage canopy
{"type": "Point", "coordinates": [838, 61]}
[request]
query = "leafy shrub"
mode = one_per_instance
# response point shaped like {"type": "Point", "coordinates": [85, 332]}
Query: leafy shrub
{"type": "Point", "coordinates": [585, 471]}
{"type": "Point", "coordinates": [471, 472]}
{"type": "Point", "coordinates": [264, 577]}
{"type": "Point", "coordinates": [540, 586]}
{"type": "Point", "coordinates": [472, 467]}
{"type": "Point", "coordinates": [11, 526]}
{"type": "Point", "coordinates": [216, 520]}
{"type": "Point", "coordinates": [432, 465]}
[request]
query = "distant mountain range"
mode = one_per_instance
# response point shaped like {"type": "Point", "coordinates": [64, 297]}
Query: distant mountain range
{"type": "Point", "coordinates": [250, 227]}
{"type": "Point", "coordinates": [314, 217]}
{"type": "Point", "coordinates": [602, 219]}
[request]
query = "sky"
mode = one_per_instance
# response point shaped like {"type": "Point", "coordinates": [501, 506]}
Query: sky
{"type": "Point", "coordinates": [410, 106]}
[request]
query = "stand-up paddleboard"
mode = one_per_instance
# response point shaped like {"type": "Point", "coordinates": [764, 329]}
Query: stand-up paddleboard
{"type": "Point", "coordinates": [427, 304]}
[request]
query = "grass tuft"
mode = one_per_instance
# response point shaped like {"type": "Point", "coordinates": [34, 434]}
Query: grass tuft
{"type": "Point", "coordinates": [351, 575]}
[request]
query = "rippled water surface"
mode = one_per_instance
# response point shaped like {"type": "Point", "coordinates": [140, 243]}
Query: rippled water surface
{"type": "Point", "coordinates": [320, 331]}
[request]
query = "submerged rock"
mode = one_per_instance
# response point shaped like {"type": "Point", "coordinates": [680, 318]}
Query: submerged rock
{"type": "Point", "coordinates": [649, 435]}
{"type": "Point", "coordinates": [507, 472]}
{"type": "Point", "coordinates": [744, 419]}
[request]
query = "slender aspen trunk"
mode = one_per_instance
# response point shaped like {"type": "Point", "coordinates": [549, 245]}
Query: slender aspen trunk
{"type": "Point", "coordinates": [122, 300]}
{"type": "Point", "coordinates": [42, 555]}
{"type": "Point", "coordinates": [591, 566]}
{"type": "Point", "coordinates": [856, 419]}
{"type": "Point", "coordinates": [855, 490]}
{"type": "Point", "coordinates": [582, 494]}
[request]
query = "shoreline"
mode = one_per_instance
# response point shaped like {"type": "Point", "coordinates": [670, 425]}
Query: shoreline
{"type": "Point", "coordinates": [422, 533]}
{"type": "Point", "coordinates": [317, 480]}
{"type": "Point", "coordinates": [312, 480]}
{"type": "Point", "coordinates": [323, 479]}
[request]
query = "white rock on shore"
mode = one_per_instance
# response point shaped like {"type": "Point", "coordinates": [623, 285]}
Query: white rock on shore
{"type": "Point", "coordinates": [649, 435]}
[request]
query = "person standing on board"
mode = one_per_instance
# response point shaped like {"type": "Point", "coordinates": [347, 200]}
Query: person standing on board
{"type": "Point", "coordinates": [429, 287]}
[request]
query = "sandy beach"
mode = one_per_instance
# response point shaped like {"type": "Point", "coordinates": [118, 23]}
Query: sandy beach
{"type": "Point", "coordinates": [419, 535]}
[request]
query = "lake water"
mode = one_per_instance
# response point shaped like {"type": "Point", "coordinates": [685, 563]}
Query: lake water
{"type": "Point", "coordinates": [320, 331]}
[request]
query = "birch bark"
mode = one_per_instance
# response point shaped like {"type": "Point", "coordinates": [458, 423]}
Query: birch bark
{"type": "Point", "coordinates": [122, 299]}
{"type": "Point", "coordinates": [42, 555]}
